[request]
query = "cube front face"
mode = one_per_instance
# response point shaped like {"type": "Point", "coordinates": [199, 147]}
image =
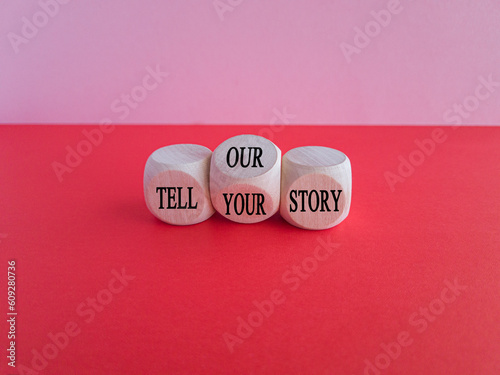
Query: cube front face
{"type": "Point", "coordinates": [316, 187]}
{"type": "Point", "coordinates": [245, 179]}
{"type": "Point", "coordinates": [176, 184]}
{"type": "Point", "coordinates": [175, 197]}
{"type": "Point", "coordinates": [314, 201]}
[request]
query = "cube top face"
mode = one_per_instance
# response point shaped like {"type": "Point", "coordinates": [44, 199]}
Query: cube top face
{"type": "Point", "coordinates": [176, 184]}
{"type": "Point", "coordinates": [245, 156]}
{"type": "Point", "coordinates": [180, 154]}
{"type": "Point", "coordinates": [316, 187]}
{"type": "Point", "coordinates": [315, 156]}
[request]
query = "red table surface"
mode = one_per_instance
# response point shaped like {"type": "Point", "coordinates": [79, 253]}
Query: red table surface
{"type": "Point", "coordinates": [415, 270]}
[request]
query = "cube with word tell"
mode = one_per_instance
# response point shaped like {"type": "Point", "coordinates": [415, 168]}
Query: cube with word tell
{"type": "Point", "coordinates": [176, 184]}
{"type": "Point", "coordinates": [245, 178]}
{"type": "Point", "coordinates": [315, 187]}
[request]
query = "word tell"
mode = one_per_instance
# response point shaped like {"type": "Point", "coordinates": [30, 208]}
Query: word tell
{"type": "Point", "coordinates": [171, 198]}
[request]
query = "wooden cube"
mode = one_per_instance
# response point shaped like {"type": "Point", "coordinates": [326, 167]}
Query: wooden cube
{"type": "Point", "coordinates": [315, 187]}
{"type": "Point", "coordinates": [245, 178]}
{"type": "Point", "coordinates": [176, 184]}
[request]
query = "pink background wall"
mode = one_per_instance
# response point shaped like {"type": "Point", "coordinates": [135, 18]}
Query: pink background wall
{"type": "Point", "coordinates": [250, 61]}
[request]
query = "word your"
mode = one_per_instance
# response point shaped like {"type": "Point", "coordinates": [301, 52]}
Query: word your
{"type": "Point", "coordinates": [40, 19]}
{"type": "Point", "coordinates": [362, 39]}
{"type": "Point", "coordinates": [242, 203]}
{"type": "Point", "coordinates": [171, 198]}
{"type": "Point", "coordinates": [483, 91]}
{"type": "Point", "coordinates": [257, 153]}
{"type": "Point", "coordinates": [420, 320]}
{"type": "Point", "coordinates": [313, 201]}
{"type": "Point", "coordinates": [292, 279]}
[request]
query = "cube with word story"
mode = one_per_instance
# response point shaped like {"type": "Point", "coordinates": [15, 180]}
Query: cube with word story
{"type": "Point", "coordinates": [315, 187]}
{"type": "Point", "coordinates": [176, 184]}
{"type": "Point", "coordinates": [245, 178]}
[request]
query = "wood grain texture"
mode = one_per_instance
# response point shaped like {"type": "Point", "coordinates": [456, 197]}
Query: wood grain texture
{"type": "Point", "coordinates": [316, 185]}
{"type": "Point", "coordinates": [176, 184]}
{"type": "Point", "coordinates": [245, 178]}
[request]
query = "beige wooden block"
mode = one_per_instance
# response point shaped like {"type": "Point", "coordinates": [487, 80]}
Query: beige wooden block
{"type": "Point", "coordinates": [316, 187]}
{"type": "Point", "coordinates": [176, 184]}
{"type": "Point", "coordinates": [245, 178]}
